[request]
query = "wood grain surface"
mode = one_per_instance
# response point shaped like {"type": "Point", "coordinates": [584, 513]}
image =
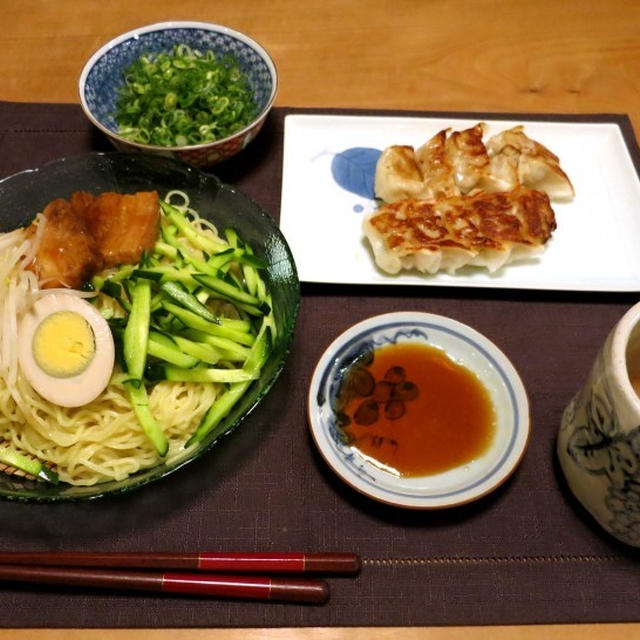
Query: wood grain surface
{"type": "Point", "coordinates": [528, 632]}
{"type": "Point", "coordinates": [561, 56]}
{"type": "Point", "coordinates": [574, 56]}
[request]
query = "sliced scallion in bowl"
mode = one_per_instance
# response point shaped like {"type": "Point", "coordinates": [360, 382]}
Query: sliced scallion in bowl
{"type": "Point", "coordinates": [183, 97]}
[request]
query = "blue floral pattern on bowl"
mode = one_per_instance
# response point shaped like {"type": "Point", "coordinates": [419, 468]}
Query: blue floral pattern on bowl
{"type": "Point", "coordinates": [102, 77]}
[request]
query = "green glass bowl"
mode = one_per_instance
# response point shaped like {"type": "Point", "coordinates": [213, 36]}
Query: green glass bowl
{"type": "Point", "coordinates": [24, 194]}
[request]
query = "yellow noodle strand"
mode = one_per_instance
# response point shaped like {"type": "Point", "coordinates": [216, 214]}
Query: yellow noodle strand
{"type": "Point", "coordinates": [103, 440]}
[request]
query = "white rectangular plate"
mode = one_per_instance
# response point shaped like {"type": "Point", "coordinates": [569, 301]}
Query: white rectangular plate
{"type": "Point", "coordinates": [596, 246]}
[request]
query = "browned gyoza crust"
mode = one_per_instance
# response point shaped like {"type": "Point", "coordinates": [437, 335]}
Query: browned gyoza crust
{"type": "Point", "coordinates": [471, 224]}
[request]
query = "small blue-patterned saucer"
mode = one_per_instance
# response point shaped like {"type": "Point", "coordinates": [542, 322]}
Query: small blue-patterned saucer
{"type": "Point", "coordinates": [464, 346]}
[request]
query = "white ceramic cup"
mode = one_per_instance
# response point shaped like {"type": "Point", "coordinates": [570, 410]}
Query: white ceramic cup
{"type": "Point", "coordinates": [598, 443]}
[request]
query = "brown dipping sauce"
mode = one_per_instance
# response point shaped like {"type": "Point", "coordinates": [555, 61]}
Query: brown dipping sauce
{"type": "Point", "coordinates": [415, 411]}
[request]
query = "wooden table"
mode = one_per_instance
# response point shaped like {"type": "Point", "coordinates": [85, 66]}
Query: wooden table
{"type": "Point", "coordinates": [555, 56]}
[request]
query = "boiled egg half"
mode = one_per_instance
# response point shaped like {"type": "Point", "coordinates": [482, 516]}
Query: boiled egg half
{"type": "Point", "coordinates": [65, 349]}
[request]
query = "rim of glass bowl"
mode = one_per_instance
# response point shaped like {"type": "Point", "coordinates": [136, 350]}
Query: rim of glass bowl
{"type": "Point", "coordinates": [116, 167]}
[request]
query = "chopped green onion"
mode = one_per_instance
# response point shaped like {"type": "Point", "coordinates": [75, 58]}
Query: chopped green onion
{"type": "Point", "coordinates": [183, 97]}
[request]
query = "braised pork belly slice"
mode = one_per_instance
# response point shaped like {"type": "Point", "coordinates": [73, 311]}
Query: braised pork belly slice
{"type": "Point", "coordinates": [67, 254]}
{"type": "Point", "coordinates": [123, 225]}
{"type": "Point", "coordinates": [88, 233]}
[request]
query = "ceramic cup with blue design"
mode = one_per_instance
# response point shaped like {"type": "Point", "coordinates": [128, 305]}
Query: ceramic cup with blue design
{"type": "Point", "coordinates": [599, 440]}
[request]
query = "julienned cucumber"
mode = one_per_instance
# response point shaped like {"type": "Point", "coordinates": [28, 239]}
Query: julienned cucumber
{"type": "Point", "coordinates": [199, 240]}
{"type": "Point", "coordinates": [165, 347]}
{"type": "Point", "coordinates": [210, 425]}
{"type": "Point", "coordinates": [219, 409]}
{"type": "Point", "coordinates": [178, 292]}
{"type": "Point", "coordinates": [28, 464]}
{"type": "Point", "coordinates": [176, 307]}
{"type": "Point", "coordinates": [140, 402]}
{"type": "Point", "coordinates": [137, 330]}
{"type": "Point", "coordinates": [197, 322]}
{"type": "Point", "coordinates": [201, 374]}
{"type": "Point", "coordinates": [229, 291]}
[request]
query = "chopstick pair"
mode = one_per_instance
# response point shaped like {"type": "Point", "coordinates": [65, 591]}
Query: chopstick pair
{"type": "Point", "coordinates": [130, 571]}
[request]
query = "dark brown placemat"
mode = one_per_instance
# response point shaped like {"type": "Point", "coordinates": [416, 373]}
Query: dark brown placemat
{"type": "Point", "coordinates": [524, 554]}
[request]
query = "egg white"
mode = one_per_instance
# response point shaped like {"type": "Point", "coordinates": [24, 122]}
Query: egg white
{"type": "Point", "coordinates": [76, 390]}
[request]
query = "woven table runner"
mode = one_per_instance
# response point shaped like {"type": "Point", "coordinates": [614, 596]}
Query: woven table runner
{"type": "Point", "coordinates": [527, 553]}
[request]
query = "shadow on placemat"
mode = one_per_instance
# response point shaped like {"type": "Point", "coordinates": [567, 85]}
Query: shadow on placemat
{"type": "Point", "coordinates": [587, 519]}
{"type": "Point", "coordinates": [141, 510]}
{"type": "Point", "coordinates": [432, 518]}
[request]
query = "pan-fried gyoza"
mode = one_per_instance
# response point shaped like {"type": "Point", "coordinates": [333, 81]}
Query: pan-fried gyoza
{"type": "Point", "coordinates": [460, 163]}
{"type": "Point", "coordinates": [486, 230]}
{"type": "Point", "coordinates": [458, 201]}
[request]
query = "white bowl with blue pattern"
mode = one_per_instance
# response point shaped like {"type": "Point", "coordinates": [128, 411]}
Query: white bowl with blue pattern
{"type": "Point", "coordinates": [102, 76]}
{"type": "Point", "coordinates": [465, 346]}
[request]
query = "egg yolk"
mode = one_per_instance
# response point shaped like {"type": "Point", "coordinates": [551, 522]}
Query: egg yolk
{"type": "Point", "coordinates": [63, 344]}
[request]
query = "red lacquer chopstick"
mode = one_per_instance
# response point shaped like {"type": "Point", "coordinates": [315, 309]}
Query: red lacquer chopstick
{"type": "Point", "coordinates": [303, 590]}
{"type": "Point", "coordinates": [288, 563]}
